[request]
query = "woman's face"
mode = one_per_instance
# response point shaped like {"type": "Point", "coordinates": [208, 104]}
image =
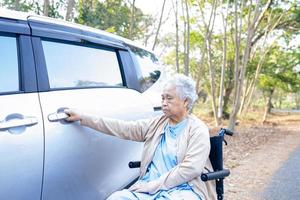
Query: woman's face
{"type": "Point", "coordinates": [172, 106]}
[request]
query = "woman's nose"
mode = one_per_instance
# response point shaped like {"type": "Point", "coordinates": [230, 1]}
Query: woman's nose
{"type": "Point", "coordinates": [164, 102]}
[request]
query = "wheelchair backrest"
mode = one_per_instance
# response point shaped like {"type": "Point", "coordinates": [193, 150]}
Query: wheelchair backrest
{"type": "Point", "coordinates": [216, 152]}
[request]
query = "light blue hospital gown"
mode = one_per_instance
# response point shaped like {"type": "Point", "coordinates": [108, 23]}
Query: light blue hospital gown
{"type": "Point", "coordinates": [164, 160]}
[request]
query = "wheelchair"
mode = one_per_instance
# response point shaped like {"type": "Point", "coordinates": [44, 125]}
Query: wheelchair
{"type": "Point", "coordinates": [216, 159]}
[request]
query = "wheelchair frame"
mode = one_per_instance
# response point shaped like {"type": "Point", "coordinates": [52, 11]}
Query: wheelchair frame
{"type": "Point", "coordinates": [216, 158]}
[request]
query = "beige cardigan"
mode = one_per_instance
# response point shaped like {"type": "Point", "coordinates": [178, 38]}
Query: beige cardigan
{"type": "Point", "coordinates": [192, 154]}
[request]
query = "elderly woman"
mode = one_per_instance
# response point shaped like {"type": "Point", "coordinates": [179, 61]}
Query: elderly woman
{"type": "Point", "coordinates": [176, 147]}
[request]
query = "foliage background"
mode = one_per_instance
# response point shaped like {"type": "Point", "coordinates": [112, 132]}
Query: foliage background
{"type": "Point", "coordinates": [243, 55]}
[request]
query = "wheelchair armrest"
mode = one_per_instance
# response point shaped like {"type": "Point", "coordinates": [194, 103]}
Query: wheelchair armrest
{"type": "Point", "coordinates": [134, 164]}
{"type": "Point", "coordinates": [215, 175]}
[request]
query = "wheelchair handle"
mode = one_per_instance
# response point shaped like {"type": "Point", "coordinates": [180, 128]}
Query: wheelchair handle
{"type": "Point", "coordinates": [134, 164]}
{"type": "Point", "coordinates": [215, 175]}
{"type": "Point", "coordinates": [225, 131]}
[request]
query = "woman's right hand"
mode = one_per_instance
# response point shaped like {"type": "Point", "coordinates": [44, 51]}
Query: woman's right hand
{"type": "Point", "coordinates": [74, 115]}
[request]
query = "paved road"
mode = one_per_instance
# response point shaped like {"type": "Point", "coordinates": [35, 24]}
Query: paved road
{"type": "Point", "coordinates": [285, 184]}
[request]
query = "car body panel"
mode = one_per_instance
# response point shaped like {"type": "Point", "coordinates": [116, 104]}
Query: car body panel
{"type": "Point", "coordinates": [21, 149]}
{"type": "Point", "coordinates": [78, 160]}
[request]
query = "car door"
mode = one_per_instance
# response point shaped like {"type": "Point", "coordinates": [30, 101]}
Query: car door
{"type": "Point", "coordinates": [21, 124]}
{"type": "Point", "coordinates": [81, 163]}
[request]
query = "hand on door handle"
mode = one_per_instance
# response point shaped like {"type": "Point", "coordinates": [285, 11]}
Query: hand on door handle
{"type": "Point", "coordinates": [55, 117]}
{"type": "Point", "coordinates": [59, 115]}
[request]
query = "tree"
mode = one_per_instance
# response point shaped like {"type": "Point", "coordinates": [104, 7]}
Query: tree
{"type": "Point", "coordinates": [18, 5]}
{"type": "Point", "coordinates": [46, 7]}
{"type": "Point", "coordinates": [186, 35]}
{"type": "Point", "coordinates": [159, 25]}
{"type": "Point", "coordinates": [272, 19]}
{"type": "Point", "coordinates": [208, 30]}
{"type": "Point", "coordinates": [232, 59]}
{"type": "Point", "coordinates": [51, 9]}
{"type": "Point", "coordinates": [113, 16]}
{"type": "Point", "coordinates": [175, 8]}
{"type": "Point", "coordinates": [132, 19]}
{"type": "Point", "coordinates": [240, 65]}
{"type": "Point", "coordinates": [70, 10]}
{"type": "Point", "coordinates": [222, 80]}
{"type": "Point", "coordinates": [279, 74]}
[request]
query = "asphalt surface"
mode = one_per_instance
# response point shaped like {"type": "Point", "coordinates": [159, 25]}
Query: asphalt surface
{"type": "Point", "coordinates": [285, 183]}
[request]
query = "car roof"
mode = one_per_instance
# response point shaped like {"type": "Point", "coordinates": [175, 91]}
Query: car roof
{"type": "Point", "coordinates": [30, 16]}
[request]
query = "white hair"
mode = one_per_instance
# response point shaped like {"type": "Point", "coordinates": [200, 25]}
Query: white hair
{"type": "Point", "coordinates": [185, 88]}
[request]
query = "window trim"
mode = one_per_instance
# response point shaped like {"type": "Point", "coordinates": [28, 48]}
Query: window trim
{"type": "Point", "coordinates": [27, 64]}
{"type": "Point", "coordinates": [130, 73]}
{"type": "Point", "coordinates": [46, 29]}
{"type": "Point", "coordinates": [14, 26]}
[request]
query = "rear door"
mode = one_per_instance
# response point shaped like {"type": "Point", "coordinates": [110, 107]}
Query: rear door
{"type": "Point", "coordinates": [21, 123]}
{"type": "Point", "coordinates": [81, 163]}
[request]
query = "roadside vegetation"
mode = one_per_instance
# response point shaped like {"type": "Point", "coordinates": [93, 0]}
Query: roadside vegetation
{"type": "Point", "coordinates": [244, 55]}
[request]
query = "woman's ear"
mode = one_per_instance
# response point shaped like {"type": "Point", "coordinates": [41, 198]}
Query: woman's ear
{"type": "Point", "coordinates": [186, 103]}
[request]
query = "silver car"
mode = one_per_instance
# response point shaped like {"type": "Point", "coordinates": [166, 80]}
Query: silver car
{"type": "Point", "coordinates": [47, 65]}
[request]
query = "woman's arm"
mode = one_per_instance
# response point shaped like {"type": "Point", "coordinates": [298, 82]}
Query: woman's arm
{"type": "Point", "coordinates": [129, 130]}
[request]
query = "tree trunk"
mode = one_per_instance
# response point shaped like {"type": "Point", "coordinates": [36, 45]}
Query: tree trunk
{"type": "Point", "coordinates": [132, 20]}
{"type": "Point", "coordinates": [280, 100]}
{"type": "Point", "coordinates": [212, 71]}
{"type": "Point", "coordinates": [220, 108]}
{"type": "Point", "coordinates": [17, 5]}
{"type": "Point", "coordinates": [249, 92]}
{"type": "Point", "coordinates": [212, 80]}
{"type": "Point", "coordinates": [200, 68]}
{"type": "Point", "coordinates": [242, 72]}
{"type": "Point", "coordinates": [184, 34]}
{"type": "Point", "coordinates": [297, 101]}
{"type": "Point", "coordinates": [228, 89]}
{"type": "Point", "coordinates": [187, 41]}
{"type": "Point", "coordinates": [177, 38]}
{"type": "Point", "coordinates": [70, 7]}
{"type": "Point", "coordinates": [46, 7]}
{"type": "Point", "coordinates": [159, 24]}
{"type": "Point", "coordinates": [175, 8]}
{"type": "Point", "coordinates": [268, 105]}
{"type": "Point", "coordinates": [233, 113]}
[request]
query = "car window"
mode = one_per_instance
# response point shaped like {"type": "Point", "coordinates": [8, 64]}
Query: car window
{"type": "Point", "coordinates": [9, 68]}
{"type": "Point", "coordinates": [148, 67]}
{"type": "Point", "coordinates": [71, 65]}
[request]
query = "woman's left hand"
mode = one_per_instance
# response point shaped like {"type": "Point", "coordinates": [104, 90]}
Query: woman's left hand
{"type": "Point", "coordinates": [150, 187]}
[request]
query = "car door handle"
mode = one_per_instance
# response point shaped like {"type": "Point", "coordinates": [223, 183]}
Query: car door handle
{"type": "Point", "coordinates": [157, 108]}
{"type": "Point", "coordinates": [17, 122]}
{"type": "Point", "coordinates": [57, 116]}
